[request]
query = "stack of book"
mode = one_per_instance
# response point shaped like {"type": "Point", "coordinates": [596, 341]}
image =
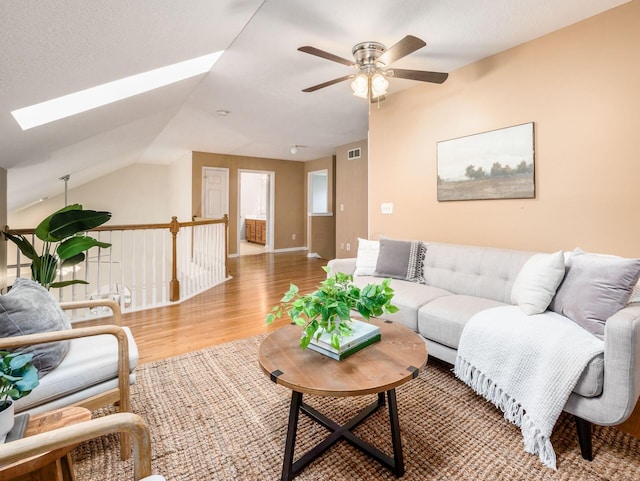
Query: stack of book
{"type": "Point", "coordinates": [363, 334]}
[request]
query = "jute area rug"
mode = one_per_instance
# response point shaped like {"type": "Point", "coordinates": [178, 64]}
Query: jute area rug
{"type": "Point", "coordinates": [214, 415]}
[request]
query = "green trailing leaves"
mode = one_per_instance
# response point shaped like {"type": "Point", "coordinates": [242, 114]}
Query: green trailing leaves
{"type": "Point", "coordinates": [18, 376]}
{"type": "Point", "coordinates": [63, 243]}
{"type": "Point", "coordinates": [328, 309]}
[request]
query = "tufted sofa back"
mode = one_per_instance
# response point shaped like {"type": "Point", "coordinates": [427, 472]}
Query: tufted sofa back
{"type": "Point", "coordinates": [475, 271]}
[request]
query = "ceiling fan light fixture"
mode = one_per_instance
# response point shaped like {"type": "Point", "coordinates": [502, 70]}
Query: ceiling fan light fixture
{"type": "Point", "coordinates": [379, 85]}
{"type": "Point", "coordinates": [360, 85]}
{"type": "Point", "coordinates": [372, 61]}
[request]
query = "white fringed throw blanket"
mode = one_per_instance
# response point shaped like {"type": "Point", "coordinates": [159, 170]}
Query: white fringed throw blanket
{"type": "Point", "coordinates": [527, 366]}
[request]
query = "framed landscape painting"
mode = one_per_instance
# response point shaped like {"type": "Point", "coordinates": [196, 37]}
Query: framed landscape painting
{"type": "Point", "coordinates": [490, 165]}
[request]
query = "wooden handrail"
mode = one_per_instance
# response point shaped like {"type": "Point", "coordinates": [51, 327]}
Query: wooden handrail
{"type": "Point", "coordinates": [106, 228]}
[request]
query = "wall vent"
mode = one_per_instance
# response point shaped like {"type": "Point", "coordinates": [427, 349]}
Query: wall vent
{"type": "Point", "coordinates": [353, 154]}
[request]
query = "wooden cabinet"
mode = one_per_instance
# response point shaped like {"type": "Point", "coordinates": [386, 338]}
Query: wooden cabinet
{"type": "Point", "coordinates": [256, 231]}
{"type": "Point", "coordinates": [250, 226]}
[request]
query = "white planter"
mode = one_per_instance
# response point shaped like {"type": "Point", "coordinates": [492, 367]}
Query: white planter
{"type": "Point", "coordinates": [6, 421]}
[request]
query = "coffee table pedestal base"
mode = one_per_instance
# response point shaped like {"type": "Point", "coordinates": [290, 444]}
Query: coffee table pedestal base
{"type": "Point", "coordinates": [291, 468]}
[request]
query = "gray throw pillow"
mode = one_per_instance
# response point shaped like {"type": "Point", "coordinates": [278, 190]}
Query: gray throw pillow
{"type": "Point", "coordinates": [401, 259]}
{"type": "Point", "coordinates": [594, 288]}
{"type": "Point", "coordinates": [28, 308]}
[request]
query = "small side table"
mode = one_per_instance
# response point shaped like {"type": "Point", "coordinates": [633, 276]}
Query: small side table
{"type": "Point", "coordinates": [54, 465]}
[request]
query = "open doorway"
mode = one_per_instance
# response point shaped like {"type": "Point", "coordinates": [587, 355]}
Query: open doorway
{"type": "Point", "coordinates": [256, 191]}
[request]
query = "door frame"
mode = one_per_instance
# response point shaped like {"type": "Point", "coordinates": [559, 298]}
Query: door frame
{"type": "Point", "coordinates": [269, 247]}
{"type": "Point", "coordinates": [225, 170]}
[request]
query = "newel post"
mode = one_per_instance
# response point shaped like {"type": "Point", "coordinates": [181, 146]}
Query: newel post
{"type": "Point", "coordinates": [174, 285]}
{"type": "Point", "coordinates": [226, 245]}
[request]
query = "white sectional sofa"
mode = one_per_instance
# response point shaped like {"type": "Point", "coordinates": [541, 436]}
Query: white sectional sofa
{"type": "Point", "coordinates": [458, 281]}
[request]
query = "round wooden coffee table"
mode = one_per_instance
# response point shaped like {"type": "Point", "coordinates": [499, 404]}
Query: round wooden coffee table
{"type": "Point", "coordinates": [377, 369]}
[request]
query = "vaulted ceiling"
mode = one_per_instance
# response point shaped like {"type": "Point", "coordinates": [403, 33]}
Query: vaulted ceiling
{"type": "Point", "coordinates": [52, 48]}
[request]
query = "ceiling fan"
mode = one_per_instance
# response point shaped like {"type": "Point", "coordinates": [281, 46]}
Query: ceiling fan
{"type": "Point", "coordinates": [372, 61]}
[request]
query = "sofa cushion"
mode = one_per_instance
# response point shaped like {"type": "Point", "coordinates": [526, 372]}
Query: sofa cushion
{"type": "Point", "coordinates": [474, 271]}
{"type": "Point", "coordinates": [537, 282]}
{"type": "Point", "coordinates": [367, 257]}
{"type": "Point", "coordinates": [28, 308]}
{"type": "Point", "coordinates": [594, 288]}
{"type": "Point", "coordinates": [89, 362]}
{"type": "Point", "coordinates": [408, 297]}
{"type": "Point", "coordinates": [401, 259]}
{"type": "Point", "coordinates": [443, 319]}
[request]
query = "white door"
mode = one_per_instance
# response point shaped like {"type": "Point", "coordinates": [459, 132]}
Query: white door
{"type": "Point", "coordinates": [215, 192]}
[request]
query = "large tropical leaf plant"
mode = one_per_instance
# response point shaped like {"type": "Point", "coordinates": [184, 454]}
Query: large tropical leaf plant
{"type": "Point", "coordinates": [63, 243]}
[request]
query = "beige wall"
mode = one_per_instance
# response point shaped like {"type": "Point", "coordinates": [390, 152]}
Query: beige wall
{"type": "Point", "coordinates": [351, 199]}
{"type": "Point", "coordinates": [290, 204]}
{"type": "Point", "coordinates": [137, 194]}
{"type": "Point", "coordinates": [323, 232]}
{"type": "Point", "coordinates": [322, 229]}
{"type": "Point", "coordinates": [181, 187]}
{"type": "Point", "coordinates": [581, 88]}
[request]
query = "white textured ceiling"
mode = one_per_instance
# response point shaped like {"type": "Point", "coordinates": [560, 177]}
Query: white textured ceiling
{"type": "Point", "coordinates": [50, 48]}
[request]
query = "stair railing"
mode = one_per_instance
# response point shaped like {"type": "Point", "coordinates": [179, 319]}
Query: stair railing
{"type": "Point", "coordinates": [147, 265]}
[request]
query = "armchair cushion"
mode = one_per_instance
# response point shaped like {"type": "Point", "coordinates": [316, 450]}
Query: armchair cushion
{"type": "Point", "coordinates": [28, 308]}
{"type": "Point", "coordinates": [90, 367]}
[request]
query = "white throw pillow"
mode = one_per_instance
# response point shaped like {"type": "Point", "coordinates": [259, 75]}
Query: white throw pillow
{"type": "Point", "coordinates": [537, 282]}
{"type": "Point", "coordinates": [367, 257]}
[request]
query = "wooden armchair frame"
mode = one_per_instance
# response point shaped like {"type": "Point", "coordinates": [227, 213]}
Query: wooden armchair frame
{"type": "Point", "coordinates": [119, 395]}
{"type": "Point", "coordinates": [125, 423]}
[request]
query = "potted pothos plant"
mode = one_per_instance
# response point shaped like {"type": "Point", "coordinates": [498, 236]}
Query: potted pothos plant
{"type": "Point", "coordinates": [18, 377]}
{"type": "Point", "coordinates": [63, 243]}
{"type": "Point", "coordinates": [328, 309]}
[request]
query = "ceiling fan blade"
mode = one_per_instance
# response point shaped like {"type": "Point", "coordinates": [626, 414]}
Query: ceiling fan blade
{"type": "Point", "coordinates": [329, 56]}
{"type": "Point", "coordinates": [404, 47]}
{"type": "Point", "coordinates": [326, 84]}
{"type": "Point", "coordinates": [420, 75]}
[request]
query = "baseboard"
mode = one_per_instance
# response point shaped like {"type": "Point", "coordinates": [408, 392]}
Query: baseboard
{"type": "Point", "coordinates": [291, 249]}
{"type": "Point", "coordinates": [314, 255]}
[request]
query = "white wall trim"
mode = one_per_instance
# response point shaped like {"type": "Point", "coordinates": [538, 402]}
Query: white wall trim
{"type": "Point", "coordinates": [292, 249]}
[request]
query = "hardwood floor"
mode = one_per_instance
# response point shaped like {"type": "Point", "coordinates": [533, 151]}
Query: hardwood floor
{"type": "Point", "coordinates": [231, 310]}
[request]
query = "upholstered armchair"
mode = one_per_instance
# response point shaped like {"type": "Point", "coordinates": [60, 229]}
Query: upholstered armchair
{"type": "Point", "coordinates": [96, 370]}
{"type": "Point", "coordinates": [125, 423]}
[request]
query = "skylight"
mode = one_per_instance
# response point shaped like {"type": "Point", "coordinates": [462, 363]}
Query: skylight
{"type": "Point", "coordinates": [83, 100]}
